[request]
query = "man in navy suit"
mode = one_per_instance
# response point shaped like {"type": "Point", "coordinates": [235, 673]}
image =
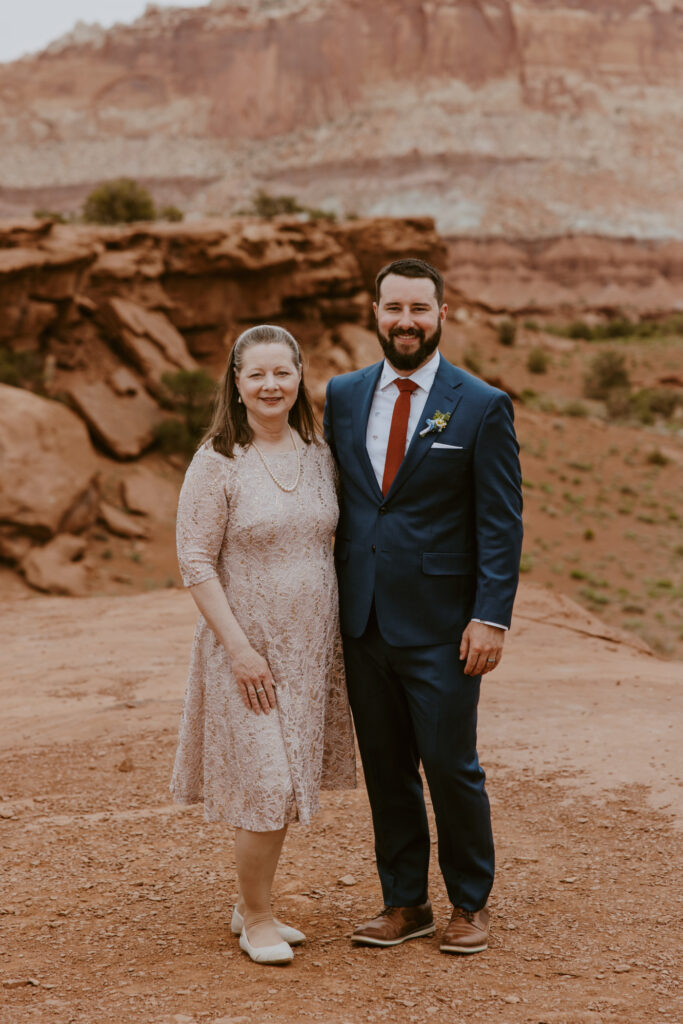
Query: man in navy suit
{"type": "Point", "coordinates": [427, 551]}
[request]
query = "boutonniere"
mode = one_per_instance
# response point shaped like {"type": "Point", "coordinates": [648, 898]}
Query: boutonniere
{"type": "Point", "coordinates": [436, 423]}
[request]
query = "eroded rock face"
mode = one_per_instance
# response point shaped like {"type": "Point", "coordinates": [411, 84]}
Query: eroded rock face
{"type": "Point", "coordinates": [172, 295]}
{"type": "Point", "coordinates": [518, 118]}
{"type": "Point", "coordinates": [55, 567]}
{"type": "Point", "coordinates": [48, 463]}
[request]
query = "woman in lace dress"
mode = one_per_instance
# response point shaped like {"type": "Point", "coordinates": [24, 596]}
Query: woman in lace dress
{"type": "Point", "coordinates": [266, 721]}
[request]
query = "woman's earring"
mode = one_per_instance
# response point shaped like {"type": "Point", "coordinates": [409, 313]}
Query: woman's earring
{"type": "Point", "coordinates": [239, 398]}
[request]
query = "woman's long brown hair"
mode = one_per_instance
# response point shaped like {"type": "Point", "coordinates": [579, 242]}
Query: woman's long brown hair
{"type": "Point", "coordinates": [229, 425]}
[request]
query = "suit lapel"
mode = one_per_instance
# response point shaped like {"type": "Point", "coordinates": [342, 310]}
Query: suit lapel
{"type": "Point", "coordinates": [443, 396]}
{"type": "Point", "coordinates": [362, 401]}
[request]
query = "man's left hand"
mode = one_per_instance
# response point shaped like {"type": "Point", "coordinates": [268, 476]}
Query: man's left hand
{"type": "Point", "coordinates": [482, 648]}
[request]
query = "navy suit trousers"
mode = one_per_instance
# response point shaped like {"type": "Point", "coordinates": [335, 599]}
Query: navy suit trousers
{"type": "Point", "coordinates": [412, 706]}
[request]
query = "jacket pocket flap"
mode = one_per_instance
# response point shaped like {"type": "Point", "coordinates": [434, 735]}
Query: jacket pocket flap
{"type": "Point", "coordinates": [447, 563]}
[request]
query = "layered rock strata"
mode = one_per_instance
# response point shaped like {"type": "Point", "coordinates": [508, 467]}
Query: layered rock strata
{"type": "Point", "coordinates": [502, 117]}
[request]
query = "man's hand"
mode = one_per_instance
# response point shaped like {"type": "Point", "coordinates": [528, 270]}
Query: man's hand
{"type": "Point", "coordinates": [482, 646]}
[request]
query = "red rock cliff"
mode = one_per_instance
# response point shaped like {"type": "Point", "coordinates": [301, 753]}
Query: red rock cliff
{"type": "Point", "coordinates": [503, 117]}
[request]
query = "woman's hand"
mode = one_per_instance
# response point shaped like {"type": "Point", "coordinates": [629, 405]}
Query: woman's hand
{"type": "Point", "coordinates": [254, 679]}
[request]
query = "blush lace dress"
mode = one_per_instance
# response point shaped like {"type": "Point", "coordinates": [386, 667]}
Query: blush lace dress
{"type": "Point", "coordinates": [271, 551]}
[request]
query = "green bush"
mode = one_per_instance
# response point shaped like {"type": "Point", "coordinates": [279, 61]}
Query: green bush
{"type": "Point", "coordinates": [620, 327]}
{"type": "Point", "coordinates": [472, 359]}
{"type": "Point", "coordinates": [507, 332]}
{"type": "Point", "coordinates": [618, 404]}
{"type": "Point", "coordinates": [173, 437]}
{"type": "Point", "coordinates": [576, 409]}
{"type": "Point", "coordinates": [648, 403]}
{"type": "Point", "coordinates": [22, 369]}
{"type": "Point", "coordinates": [657, 458]}
{"type": "Point", "coordinates": [118, 202]}
{"type": "Point", "coordinates": [606, 372]}
{"type": "Point", "coordinates": [54, 215]}
{"type": "Point", "coordinates": [190, 394]}
{"type": "Point", "coordinates": [263, 204]}
{"type": "Point", "coordinates": [315, 213]}
{"type": "Point", "coordinates": [172, 214]}
{"type": "Point", "coordinates": [537, 361]}
{"type": "Point", "coordinates": [578, 329]}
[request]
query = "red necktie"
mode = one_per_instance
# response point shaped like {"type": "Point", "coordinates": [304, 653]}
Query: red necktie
{"type": "Point", "coordinates": [396, 447]}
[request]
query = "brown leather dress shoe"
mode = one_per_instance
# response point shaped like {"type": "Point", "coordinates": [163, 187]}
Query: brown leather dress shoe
{"type": "Point", "coordinates": [395, 925]}
{"type": "Point", "coordinates": [467, 932]}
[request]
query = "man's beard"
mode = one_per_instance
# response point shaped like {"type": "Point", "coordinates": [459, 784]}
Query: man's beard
{"type": "Point", "coordinates": [409, 360]}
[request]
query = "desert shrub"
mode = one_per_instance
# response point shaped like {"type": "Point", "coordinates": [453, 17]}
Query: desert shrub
{"type": "Point", "coordinates": [532, 325]}
{"type": "Point", "coordinates": [618, 404]}
{"type": "Point", "coordinates": [472, 359]}
{"type": "Point", "coordinates": [118, 202]}
{"type": "Point", "coordinates": [507, 332]}
{"type": "Point", "coordinates": [190, 394]}
{"type": "Point", "coordinates": [576, 409]}
{"type": "Point", "coordinates": [22, 369]}
{"type": "Point", "coordinates": [263, 204]}
{"type": "Point", "coordinates": [657, 458]}
{"type": "Point", "coordinates": [577, 329]}
{"type": "Point", "coordinates": [526, 562]}
{"type": "Point", "coordinates": [172, 214]}
{"type": "Point", "coordinates": [537, 361]}
{"type": "Point", "coordinates": [173, 437]}
{"type": "Point", "coordinates": [315, 213]}
{"type": "Point", "coordinates": [607, 372]}
{"type": "Point", "coordinates": [648, 403]}
{"type": "Point", "coordinates": [54, 215]}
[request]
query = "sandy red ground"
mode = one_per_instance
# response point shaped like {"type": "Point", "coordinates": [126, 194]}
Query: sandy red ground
{"type": "Point", "coordinates": [114, 902]}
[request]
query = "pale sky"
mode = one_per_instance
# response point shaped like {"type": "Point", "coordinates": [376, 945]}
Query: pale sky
{"type": "Point", "coordinates": [29, 25]}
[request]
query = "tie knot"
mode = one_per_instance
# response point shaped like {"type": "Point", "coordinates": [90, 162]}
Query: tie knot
{"type": "Point", "coordinates": [405, 384]}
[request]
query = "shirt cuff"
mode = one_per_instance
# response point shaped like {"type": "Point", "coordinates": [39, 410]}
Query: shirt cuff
{"type": "Point", "coordinates": [485, 623]}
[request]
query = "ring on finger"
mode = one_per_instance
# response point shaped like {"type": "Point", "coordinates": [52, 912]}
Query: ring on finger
{"type": "Point", "coordinates": [492, 660]}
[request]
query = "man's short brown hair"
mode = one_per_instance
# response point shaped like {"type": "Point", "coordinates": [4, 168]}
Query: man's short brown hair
{"type": "Point", "coordinates": [411, 268]}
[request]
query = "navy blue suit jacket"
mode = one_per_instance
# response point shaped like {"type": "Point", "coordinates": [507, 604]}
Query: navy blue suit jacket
{"type": "Point", "coordinates": [443, 546]}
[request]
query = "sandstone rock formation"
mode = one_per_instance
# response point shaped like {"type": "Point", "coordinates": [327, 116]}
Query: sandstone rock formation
{"type": "Point", "coordinates": [48, 464]}
{"type": "Point", "coordinates": [147, 300]}
{"type": "Point", "coordinates": [503, 117]}
{"type": "Point", "coordinates": [120, 522]}
{"type": "Point", "coordinates": [55, 567]}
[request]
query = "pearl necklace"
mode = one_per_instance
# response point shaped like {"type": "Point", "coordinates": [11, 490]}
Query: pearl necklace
{"type": "Point", "coordinates": [283, 487]}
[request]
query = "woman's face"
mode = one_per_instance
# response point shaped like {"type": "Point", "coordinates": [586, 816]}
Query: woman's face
{"type": "Point", "coordinates": [268, 381]}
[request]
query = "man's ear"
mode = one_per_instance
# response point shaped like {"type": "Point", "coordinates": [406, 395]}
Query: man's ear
{"type": "Point", "coordinates": [374, 308]}
{"type": "Point", "coordinates": [443, 311]}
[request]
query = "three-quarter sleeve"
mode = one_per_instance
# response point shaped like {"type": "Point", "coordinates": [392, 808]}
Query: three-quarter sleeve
{"type": "Point", "coordinates": [202, 517]}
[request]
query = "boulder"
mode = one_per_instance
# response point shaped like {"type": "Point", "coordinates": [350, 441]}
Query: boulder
{"type": "Point", "coordinates": [153, 325]}
{"type": "Point", "coordinates": [120, 522]}
{"type": "Point", "coordinates": [14, 545]}
{"type": "Point", "coordinates": [55, 568]}
{"type": "Point", "coordinates": [146, 494]}
{"type": "Point", "coordinates": [123, 423]}
{"type": "Point", "coordinates": [47, 461]}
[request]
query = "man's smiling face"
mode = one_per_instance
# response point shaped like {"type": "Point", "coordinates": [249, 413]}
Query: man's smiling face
{"type": "Point", "coordinates": [408, 320]}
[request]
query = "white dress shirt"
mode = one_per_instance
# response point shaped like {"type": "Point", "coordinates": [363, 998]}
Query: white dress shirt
{"type": "Point", "coordinates": [382, 410]}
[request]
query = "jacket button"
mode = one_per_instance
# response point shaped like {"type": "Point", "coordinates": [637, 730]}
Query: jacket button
{"type": "Point", "coordinates": [383, 510]}
{"type": "Point", "coordinates": [374, 548]}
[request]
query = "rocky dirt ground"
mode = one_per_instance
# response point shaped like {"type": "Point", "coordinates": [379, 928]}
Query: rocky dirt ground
{"type": "Point", "coordinates": [114, 902]}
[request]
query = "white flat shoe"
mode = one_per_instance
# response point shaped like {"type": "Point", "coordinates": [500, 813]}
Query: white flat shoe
{"type": "Point", "coordinates": [280, 954]}
{"type": "Point", "coordinates": [291, 935]}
